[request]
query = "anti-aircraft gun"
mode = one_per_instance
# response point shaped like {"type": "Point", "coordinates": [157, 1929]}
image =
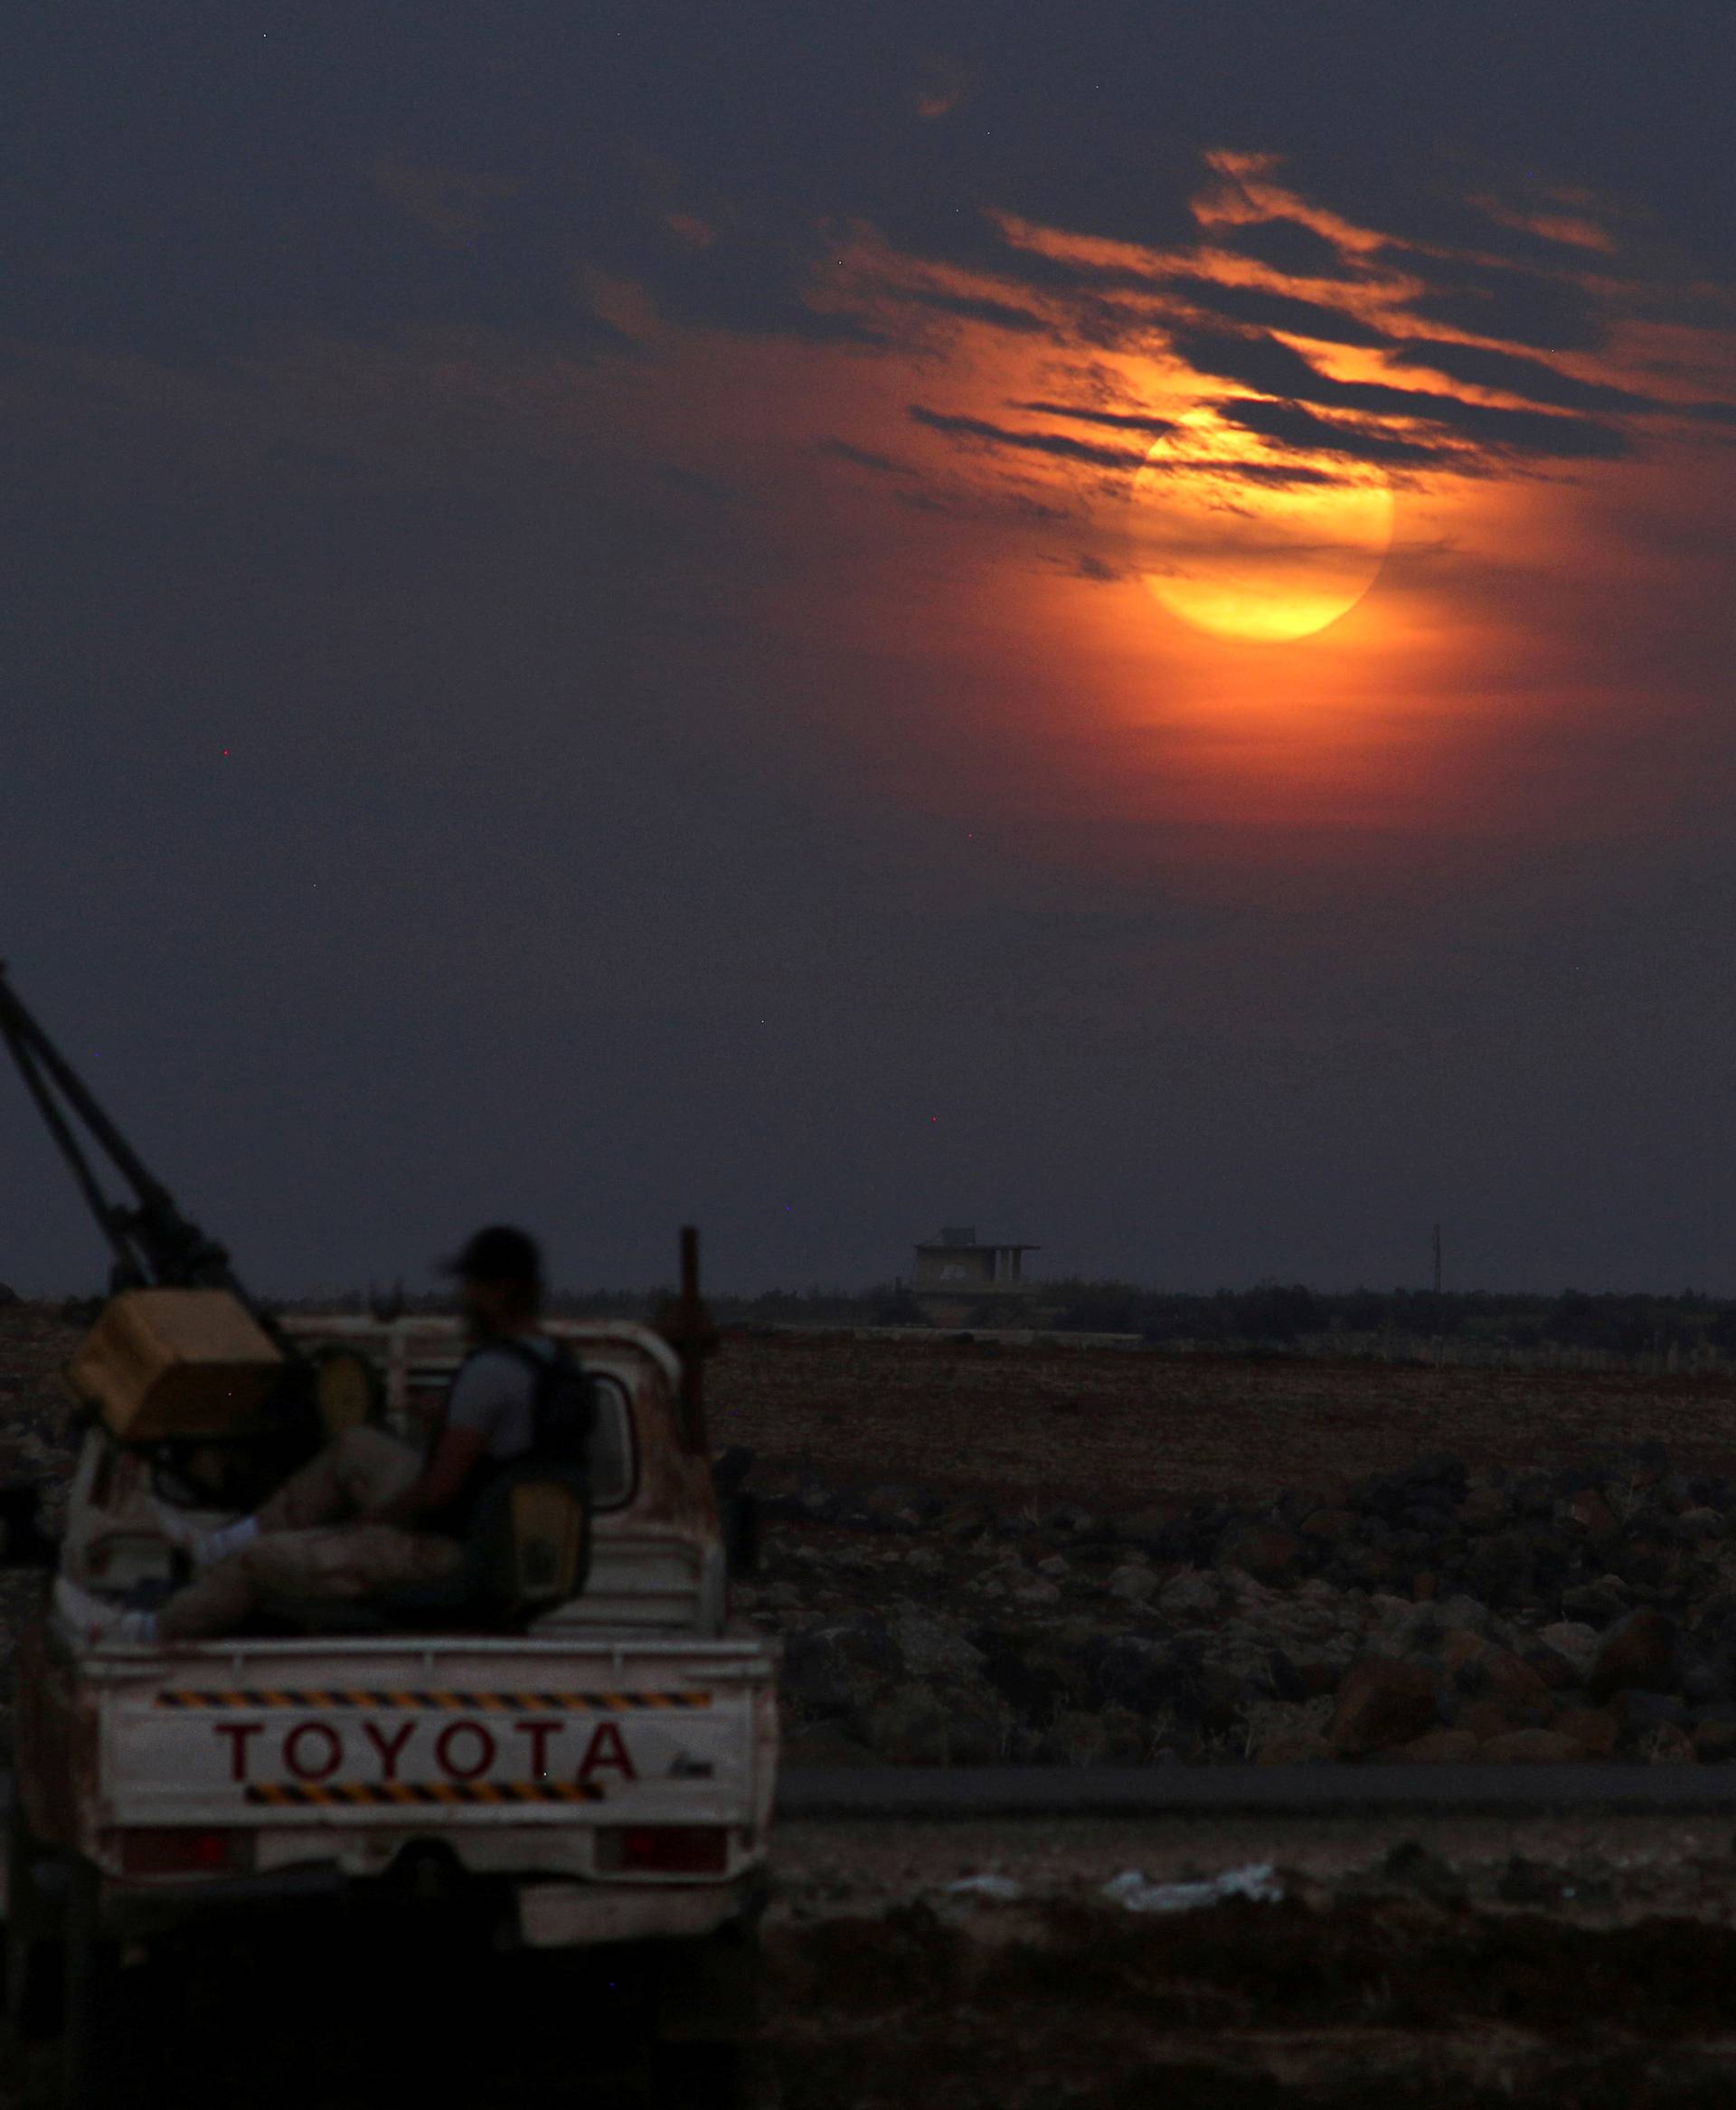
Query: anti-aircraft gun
{"type": "Point", "coordinates": [181, 1359]}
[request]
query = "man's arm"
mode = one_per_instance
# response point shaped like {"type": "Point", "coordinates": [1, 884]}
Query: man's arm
{"type": "Point", "coordinates": [441, 1481]}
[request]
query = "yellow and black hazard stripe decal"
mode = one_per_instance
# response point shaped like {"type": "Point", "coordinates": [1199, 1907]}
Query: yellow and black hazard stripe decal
{"type": "Point", "coordinates": [191, 1697]}
{"type": "Point", "coordinates": [346, 1794]}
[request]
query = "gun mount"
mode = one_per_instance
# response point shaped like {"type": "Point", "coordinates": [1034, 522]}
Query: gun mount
{"type": "Point", "coordinates": [180, 1355]}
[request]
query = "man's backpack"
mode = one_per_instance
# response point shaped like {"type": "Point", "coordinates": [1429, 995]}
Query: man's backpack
{"type": "Point", "coordinates": [563, 1411]}
{"type": "Point", "coordinates": [529, 1539]}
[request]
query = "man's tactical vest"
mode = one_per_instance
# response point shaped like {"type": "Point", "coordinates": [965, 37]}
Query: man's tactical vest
{"type": "Point", "coordinates": [563, 1414]}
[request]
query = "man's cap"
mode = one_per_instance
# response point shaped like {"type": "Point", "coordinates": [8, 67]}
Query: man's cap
{"type": "Point", "coordinates": [498, 1254]}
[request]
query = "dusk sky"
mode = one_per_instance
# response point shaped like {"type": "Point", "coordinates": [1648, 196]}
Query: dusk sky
{"type": "Point", "coordinates": [1113, 622]}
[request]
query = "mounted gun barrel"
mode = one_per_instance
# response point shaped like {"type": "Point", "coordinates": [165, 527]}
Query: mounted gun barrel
{"type": "Point", "coordinates": [153, 1242]}
{"type": "Point", "coordinates": [180, 1350]}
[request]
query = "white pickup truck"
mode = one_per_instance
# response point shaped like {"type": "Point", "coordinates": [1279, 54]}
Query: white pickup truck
{"type": "Point", "coordinates": [604, 1776]}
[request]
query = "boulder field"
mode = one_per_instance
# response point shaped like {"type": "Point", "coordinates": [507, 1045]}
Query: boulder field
{"type": "Point", "coordinates": [1573, 1613]}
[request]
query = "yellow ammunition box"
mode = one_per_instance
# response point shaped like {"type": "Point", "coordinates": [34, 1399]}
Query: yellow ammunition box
{"type": "Point", "coordinates": [170, 1363]}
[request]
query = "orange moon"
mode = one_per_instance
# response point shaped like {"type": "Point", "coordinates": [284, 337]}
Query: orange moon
{"type": "Point", "coordinates": [1256, 557]}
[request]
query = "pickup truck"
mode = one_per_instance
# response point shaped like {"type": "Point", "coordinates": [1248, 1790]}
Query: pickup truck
{"type": "Point", "coordinates": [604, 1776]}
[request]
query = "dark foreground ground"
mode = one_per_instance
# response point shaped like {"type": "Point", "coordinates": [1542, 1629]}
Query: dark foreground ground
{"type": "Point", "coordinates": [1243, 1965]}
{"type": "Point", "coordinates": [1432, 1962]}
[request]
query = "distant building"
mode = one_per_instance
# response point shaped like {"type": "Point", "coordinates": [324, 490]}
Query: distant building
{"type": "Point", "coordinates": [954, 1273]}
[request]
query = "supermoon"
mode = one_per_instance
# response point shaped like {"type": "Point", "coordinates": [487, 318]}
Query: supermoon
{"type": "Point", "coordinates": [1254, 556]}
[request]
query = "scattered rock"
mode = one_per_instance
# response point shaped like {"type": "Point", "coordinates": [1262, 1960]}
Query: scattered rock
{"type": "Point", "coordinates": [1601, 1603]}
{"type": "Point", "coordinates": [1075, 1738]}
{"type": "Point", "coordinates": [831, 1671]}
{"type": "Point", "coordinates": [1435, 1747]}
{"type": "Point", "coordinates": [1461, 1649]}
{"type": "Point", "coordinates": [1482, 1509]}
{"type": "Point", "coordinates": [1640, 1712]}
{"type": "Point", "coordinates": [1134, 1581]}
{"type": "Point", "coordinates": [1296, 1748]}
{"type": "Point", "coordinates": [910, 1727]}
{"type": "Point", "coordinates": [1194, 1592]}
{"type": "Point", "coordinates": [1714, 1742]}
{"type": "Point", "coordinates": [1419, 1616]}
{"type": "Point", "coordinates": [1556, 1672]}
{"type": "Point", "coordinates": [931, 1648]}
{"type": "Point", "coordinates": [1640, 1651]}
{"type": "Point", "coordinates": [826, 1742]}
{"type": "Point", "coordinates": [1277, 1730]}
{"type": "Point", "coordinates": [1487, 1719]}
{"type": "Point", "coordinates": [1593, 1730]}
{"type": "Point", "coordinates": [1508, 1677]}
{"type": "Point", "coordinates": [1140, 1674]}
{"type": "Point", "coordinates": [1594, 1517]}
{"type": "Point", "coordinates": [1329, 1524]}
{"type": "Point", "coordinates": [1140, 1526]}
{"type": "Point", "coordinates": [1575, 1641]}
{"type": "Point", "coordinates": [1381, 1701]}
{"type": "Point", "coordinates": [1466, 1615]}
{"type": "Point", "coordinates": [1264, 1551]}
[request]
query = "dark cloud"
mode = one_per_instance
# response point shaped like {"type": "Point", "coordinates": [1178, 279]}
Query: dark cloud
{"type": "Point", "coordinates": [863, 458]}
{"type": "Point", "coordinates": [1547, 313]}
{"type": "Point", "coordinates": [1262, 363]}
{"type": "Point", "coordinates": [1001, 314]}
{"type": "Point", "coordinates": [1274, 311]}
{"type": "Point", "coordinates": [1287, 246]}
{"type": "Point", "coordinates": [1271, 475]}
{"type": "Point", "coordinates": [1121, 420]}
{"type": "Point", "coordinates": [1514, 373]}
{"type": "Point", "coordinates": [1293, 426]}
{"type": "Point", "coordinates": [1102, 573]}
{"type": "Point", "coordinates": [1062, 445]}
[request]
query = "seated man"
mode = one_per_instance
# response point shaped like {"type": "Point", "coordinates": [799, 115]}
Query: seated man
{"type": "Point", "coordinates": [368, 1514]}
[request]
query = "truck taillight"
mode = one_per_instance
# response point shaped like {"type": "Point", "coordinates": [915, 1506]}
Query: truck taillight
{"type": "Point", "coordinates": [179, 1850]}
{"type": "Point", "coordinates": [664, 1849]}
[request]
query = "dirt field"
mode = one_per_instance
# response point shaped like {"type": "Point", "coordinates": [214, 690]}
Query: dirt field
{"type": "Point", "coordinates": [1104, 1428]}
{"type": "Point", "coordinates": [1109, 1428]}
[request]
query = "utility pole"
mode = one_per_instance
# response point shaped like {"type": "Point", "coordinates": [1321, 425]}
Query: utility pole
{"type": "Point", "coordinates": [1437, 1259]}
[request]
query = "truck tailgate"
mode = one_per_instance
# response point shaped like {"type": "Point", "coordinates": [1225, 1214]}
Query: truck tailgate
{"type": "Point", "coordinates": [453, 1735]}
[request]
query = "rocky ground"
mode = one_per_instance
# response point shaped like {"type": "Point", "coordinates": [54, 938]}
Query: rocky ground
{"type": "Point", "coordinates": [1051, 1578]}
{"type": "Point", "coordinates": [1578, 1612]}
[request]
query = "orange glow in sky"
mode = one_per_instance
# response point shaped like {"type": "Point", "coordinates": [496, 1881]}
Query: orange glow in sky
{"type": "Point", "coordinates": [1100, 555]}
